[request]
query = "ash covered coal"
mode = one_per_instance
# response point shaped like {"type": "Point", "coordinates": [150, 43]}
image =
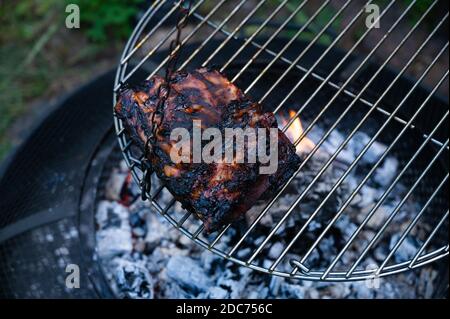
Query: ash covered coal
{"type": "Point", "coordinates": [144, 256]}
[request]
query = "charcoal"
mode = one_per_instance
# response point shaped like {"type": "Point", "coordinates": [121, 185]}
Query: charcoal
{"type": "Point", "coordinates": [134, 281]}
{"type": "Point", "coordinates": [188, 274]}
{"type": "Point", "coordinates": [406, 250]}
{"type": "Point", "coordinates": [216, 293]}
{"type": "Point", "coordinates": [179, 268]}
{"type": "Point", "coordinates": [386, 173]}
{"type": "Point", "coordinates": [114, 184]}
{"type": "Point", "coordinates": [275, 250]}
{"type": "Point", "coordinates": [293, 291]}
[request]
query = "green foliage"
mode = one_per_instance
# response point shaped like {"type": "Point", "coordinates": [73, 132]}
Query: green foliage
{"type": "Point", "coordinates": [418, 9]}
{"type": "Point", "coordinates": [315, 26]}
{"type": "Point", "coordinates": [34, 54]}
{"type": "Point", "coordinates": [415, 12]}
{"type": "Point", "coordinates": [22, 21]}
{"type": "Point", "coordinates": [25, 24]}
{"type": "Point", "coordinates": [327, 13]}
{"type": "Point", "coordinates": [101, 20]}
{"type": "Point", "coordinates": [17, 86]}
{"type": "Point", "coordinates": [107, 18]}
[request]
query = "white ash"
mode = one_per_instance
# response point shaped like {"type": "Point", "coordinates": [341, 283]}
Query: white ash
{"type": "Point", "coordinates": [275, 250]}
{"type": "Point", "coordinates": [386, 173]}
{"type": "Point", "coordinates": [114, 236]}
{"type": "Point", "coordinates": [115, 183]}
{"type": "Point", "coordinates": [170, 270]}
{"type": "Point", "coordinates": [133, 279]}
{"type": "Point", "coordinates": [406, 250]}
{"type": "Point", "coordinates": [146, 257]}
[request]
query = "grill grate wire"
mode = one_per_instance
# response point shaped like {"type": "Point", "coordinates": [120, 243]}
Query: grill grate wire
{"type": "Point", "coordinates": [141, 40]}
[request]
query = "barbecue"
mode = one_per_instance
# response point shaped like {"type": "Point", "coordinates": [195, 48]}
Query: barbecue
{"type": "Point", "coordinates": [360, 212]}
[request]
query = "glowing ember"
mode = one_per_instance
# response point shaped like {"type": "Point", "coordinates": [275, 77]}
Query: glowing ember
{"type": "Point", "coordinates": [294, 132]}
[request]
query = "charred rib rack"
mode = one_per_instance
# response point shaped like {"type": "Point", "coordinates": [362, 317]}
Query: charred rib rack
{"type": "Point", "coordinates": [217, 193]}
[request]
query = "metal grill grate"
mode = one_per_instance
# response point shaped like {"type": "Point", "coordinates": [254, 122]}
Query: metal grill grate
{"type": "Point", "coordinates": [285, 53]}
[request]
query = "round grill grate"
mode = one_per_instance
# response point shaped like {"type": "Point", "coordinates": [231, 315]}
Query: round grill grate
{"type": "Point", "coordinates": [345, 101]}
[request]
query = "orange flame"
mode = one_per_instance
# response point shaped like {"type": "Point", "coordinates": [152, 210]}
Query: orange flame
{"type": "Point", "coordinates": [294, 132]}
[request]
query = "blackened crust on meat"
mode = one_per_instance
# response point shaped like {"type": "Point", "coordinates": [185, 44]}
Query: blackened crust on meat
{"type": "Point", "coordinates": [217, 193]}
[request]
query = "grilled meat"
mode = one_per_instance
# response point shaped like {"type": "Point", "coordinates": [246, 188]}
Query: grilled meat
{"type": "Point", "coordinates": [217, 193]}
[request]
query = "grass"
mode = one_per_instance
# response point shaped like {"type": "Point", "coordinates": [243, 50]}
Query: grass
{"type": "Point", "coordinates": [21, 74]}
{"type": "Point", "coordinates": [36, 54]}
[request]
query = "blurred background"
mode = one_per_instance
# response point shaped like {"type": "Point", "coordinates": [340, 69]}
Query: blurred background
{"type": "Point", "coordinates": [41, 60]}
